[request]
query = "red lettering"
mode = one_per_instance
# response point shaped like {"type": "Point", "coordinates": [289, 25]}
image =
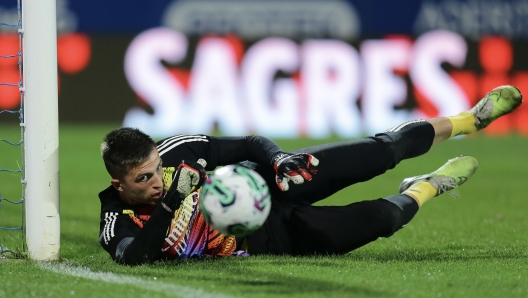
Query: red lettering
{"type": "Point", "coordinates": [9, 95]}
{"type": "Point", "coordinates": [468, 81]}
{"type": "Point", "coordinates": [9, 73]}
{"type": "Point", "coordinates": [496, 56]}
{"type": "Point", "coordinates": [73, 52]}
{"type": "Point", "coordinates": [424, 104]}
{"type": "Point", "coordinates": [520, 116]}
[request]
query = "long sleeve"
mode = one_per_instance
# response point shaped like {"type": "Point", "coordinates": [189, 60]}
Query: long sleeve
{"type": "Point", "coordinates": [229, 150]}
{"type": "Point", "coordinates": [145, 247]}
{"type": "Point", "coordinates": [217, 151]}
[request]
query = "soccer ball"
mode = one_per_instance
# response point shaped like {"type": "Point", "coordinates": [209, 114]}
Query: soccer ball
{"type": "Point", "coordinates": [235, 200]}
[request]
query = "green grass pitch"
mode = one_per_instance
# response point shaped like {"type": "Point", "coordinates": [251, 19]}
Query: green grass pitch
{"type": "Point", "coordinates": [474, 246]}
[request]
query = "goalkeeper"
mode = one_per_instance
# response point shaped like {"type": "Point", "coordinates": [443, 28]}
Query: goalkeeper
{"type": "Point", "coordinates": [149, 211]}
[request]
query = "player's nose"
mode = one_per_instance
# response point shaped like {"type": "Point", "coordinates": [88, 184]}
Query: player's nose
{"type": "Point", "coordinates": [158, 181]}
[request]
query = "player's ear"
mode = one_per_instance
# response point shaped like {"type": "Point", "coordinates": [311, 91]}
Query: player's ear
{"type": "Point", "coordinates": [116, 184]}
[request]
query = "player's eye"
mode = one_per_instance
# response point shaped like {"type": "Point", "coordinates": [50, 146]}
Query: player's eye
{"type": "Point", "coordinates": [142, 178]}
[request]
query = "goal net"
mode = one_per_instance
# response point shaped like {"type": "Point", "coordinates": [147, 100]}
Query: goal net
{"type": "Point", "coordinates": [38, 114]}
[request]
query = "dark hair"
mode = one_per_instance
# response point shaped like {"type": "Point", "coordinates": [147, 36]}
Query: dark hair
{"type": "Point", "coordinates": [125, 148]}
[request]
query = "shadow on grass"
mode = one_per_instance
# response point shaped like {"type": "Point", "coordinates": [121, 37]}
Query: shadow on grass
{"type": "Point", "coordinates": [274, 284]}
{"type": "Point", "coordinates": [317, 276]}
{"type": "Point", "coordinates": [264, 276]}
{"type": "Point", "coordinates": [279, 284]}
{"type": "Point", "coordinates": [444, 254]}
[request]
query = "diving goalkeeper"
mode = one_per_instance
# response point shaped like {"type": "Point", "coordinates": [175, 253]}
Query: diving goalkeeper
{"type": "Point", "coordinates": [155, 186]}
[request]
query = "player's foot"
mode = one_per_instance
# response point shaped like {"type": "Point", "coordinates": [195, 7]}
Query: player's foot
{"type": "Point", "coordinates": [449, 176]}
{"type": "Point", "coordinates": [500, 101]}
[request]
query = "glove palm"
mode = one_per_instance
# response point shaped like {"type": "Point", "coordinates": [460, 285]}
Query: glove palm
{"type": "Point", "coordinates": [189, 177]}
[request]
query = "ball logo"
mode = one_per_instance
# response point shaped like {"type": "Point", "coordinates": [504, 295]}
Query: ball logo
{"type": "Point", "coordinates": [235, 200]}
{"type": "Point", "coordinates": [217, 189]}
{"type": "Point", "coordinates": [261, 203]}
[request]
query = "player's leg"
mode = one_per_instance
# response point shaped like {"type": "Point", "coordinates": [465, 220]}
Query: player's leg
{"type": "Point", "coordinates": [451, 175]}
{"type": "Point", "coordinates": [340, 229]}
{"type": "Point", "coordinates": [345, 163]}
{"type": "Point", "coordinates": [499, 102]}
{"type": "Point", "coordinates": [342, 164]}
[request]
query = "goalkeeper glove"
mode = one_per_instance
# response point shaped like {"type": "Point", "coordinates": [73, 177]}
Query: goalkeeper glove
{"type": "Point", "coordinates": [189, 177]}
{"type": "Point", "coordinates": [294, 167]}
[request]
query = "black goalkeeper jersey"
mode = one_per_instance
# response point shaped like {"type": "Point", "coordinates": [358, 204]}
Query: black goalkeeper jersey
{"type": "Point", "coordinates": [141, 233]}
{"type": "Point", "coordinates": [135, 234]}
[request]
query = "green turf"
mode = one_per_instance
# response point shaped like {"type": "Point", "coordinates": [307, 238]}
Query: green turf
{"type": "Point", "coordinates": [474, 246]}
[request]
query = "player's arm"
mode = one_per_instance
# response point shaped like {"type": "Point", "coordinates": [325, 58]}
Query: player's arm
{"type": "Point", "coordinates": [231, 150]}
{"type": "Point", "coordinates": [219, 151]}
{"type": "Point", "coordinates": [145, 246]}
{"type": "Point", "coordinates": [288, 167]}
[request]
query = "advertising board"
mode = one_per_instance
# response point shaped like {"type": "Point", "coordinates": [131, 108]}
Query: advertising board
{"type": "Point", "coordinates": [278, 68]}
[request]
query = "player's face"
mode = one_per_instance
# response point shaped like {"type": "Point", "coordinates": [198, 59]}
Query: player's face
{"type": "Point", "coordinates": [144, 184]}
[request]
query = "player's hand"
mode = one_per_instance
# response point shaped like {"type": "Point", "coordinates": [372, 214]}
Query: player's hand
{"type": "Point", "coordinates": [293, 167]}
{"type": "Point", "coordinates": [189, 177]}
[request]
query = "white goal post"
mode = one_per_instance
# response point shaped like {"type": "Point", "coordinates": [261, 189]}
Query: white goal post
{"type": "Point", "coordinates": [41, 128]}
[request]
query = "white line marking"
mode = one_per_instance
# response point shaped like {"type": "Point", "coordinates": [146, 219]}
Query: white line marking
{"type": "Point", "coordinates": [156, 286]}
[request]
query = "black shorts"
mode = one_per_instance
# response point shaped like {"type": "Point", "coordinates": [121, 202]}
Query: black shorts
{"type": "Point", "coordinates": [296, 227]}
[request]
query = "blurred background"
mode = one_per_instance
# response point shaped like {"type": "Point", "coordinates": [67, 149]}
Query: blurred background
{"type": "Point", "coordinates": [284, 69]}
{"type": "Point", "coordinates": [302, 72]}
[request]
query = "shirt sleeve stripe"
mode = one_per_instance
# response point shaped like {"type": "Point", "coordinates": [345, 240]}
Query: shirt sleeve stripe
{"type": "Point", "coordinates": [161, 152]}
{"type": "Point", "coordinates": [171, 140]}
{"type": "Point", "coordinates": [108, 230]}
{"type": "Point", "coordinates": [402, 125]}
